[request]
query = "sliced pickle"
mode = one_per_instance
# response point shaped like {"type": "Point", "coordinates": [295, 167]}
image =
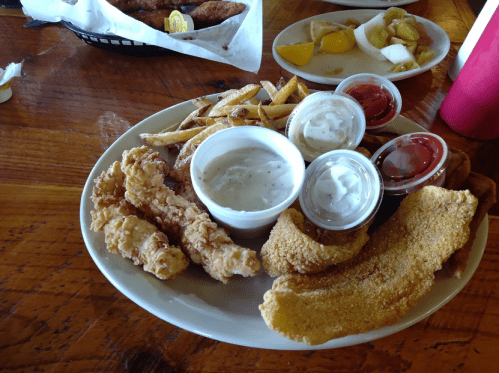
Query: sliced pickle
{"type": "Point", "coordinates": [378, 37]}
{"type": "Point", "coordinates": [394, 13]}
{"type": "Point", "coordinates": [425, 57]}
{"type": "Point", "coordinates": [411, 45]}
{"type": "Point", "coordinates": [404, 66]}
{"type": "Point", "coordinates": [352, 23]}
{"type": "Point", "coordinates": [404, 30]}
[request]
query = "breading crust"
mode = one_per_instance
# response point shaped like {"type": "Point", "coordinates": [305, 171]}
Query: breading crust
{"type": "Point", "coordinates": [394, 270]}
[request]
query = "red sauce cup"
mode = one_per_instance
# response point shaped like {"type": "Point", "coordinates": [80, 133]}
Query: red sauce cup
{"type": "Point", "coordinates": [380, 99]}
{"type": "Point", "coordinates": [411, 162]}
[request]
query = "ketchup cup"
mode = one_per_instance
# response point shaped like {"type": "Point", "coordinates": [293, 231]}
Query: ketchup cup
{"type": "Point", "coordinates": [380, 99]}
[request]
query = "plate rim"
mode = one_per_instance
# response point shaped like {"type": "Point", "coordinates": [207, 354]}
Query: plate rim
{"type": "Point", "coordinates": [116, 267]}
{"type": "Point", "coordinates": [349, 14]}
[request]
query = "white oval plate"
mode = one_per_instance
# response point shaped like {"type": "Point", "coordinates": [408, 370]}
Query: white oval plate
{"type": "Point", "coordinates": [371, 3]}
{"type": "Point", "coordinates": [229, 313]}
{"type": "Point", "coordinates": [354, 61]}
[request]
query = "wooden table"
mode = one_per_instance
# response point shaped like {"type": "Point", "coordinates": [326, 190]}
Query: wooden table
{"type": "Point", "coordinates": [60, 314]}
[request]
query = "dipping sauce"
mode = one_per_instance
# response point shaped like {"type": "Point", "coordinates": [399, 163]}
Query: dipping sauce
{"type": "Point", "coordinates": [379, 97]}
{"type": "Point", "coordinates": [377, 102]}
{"type": "Point", "coordinates": [248, 179]}
{"type": "Point", "coordinates": [342, 190]}
{"type": "Point", "coordinates": [324, 122]}
{"type": "Point", "coordinates": [410, 162]}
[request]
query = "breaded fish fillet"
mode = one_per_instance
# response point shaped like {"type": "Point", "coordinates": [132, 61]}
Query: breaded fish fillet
{"type": "Point", "coordinates": [215, 12]}
{"type": "Point", "coordinates": [391, 274]}
{"type": "Point", "coordinates": [199, 237]}
{"type": "Point", "coordinates": [290, 249]}
{"type": "Point", "coordinates": [135, 5]}
{"type": "Point", "coordinates": [145, 245]}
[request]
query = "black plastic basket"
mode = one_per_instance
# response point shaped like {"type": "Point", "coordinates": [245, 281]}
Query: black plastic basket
{"type": "Point", "coordinates": [117, 44]}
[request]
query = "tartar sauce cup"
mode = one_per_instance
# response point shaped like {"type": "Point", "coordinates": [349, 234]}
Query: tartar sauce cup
{"type": "Point", "coordinates": [410, 162]}
{"type": "Point", "coordinates": [342, 190]}
{"type": "Point", "coordinates": [246, 176]}
{"type": "Point", "coordinates": [379, 98]}
{"type": "Point", "coordinates": [323, 122]}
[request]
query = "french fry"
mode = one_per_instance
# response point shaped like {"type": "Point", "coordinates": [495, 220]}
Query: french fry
{"type": "Point", "coordinates": [273, 111]}
{"type": "Point", "coordinates": [283, 94]}
{"type": "Point", "coordinates": [201, 101]}
{"type": "Point", "coordinates": [189, 121]}
{"type": "Point", "coordinates": [187, 150]}
{"type": "Point", "coordinates": [270, 88]}
{"type": "Point", "coordinates": [236, 121]}
{"type": "Point", "coordinates": [264, 118]}
{"type": "Point", "coordinates": [280, 123]}
{"type": "Point", "coordinates": [302, 90]}
{"type": "Point", "coordinates": [170, 138]}
{"type": "Point", "coordinates": [239, 96]}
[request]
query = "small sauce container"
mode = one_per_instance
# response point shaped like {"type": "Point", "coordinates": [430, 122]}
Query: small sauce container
{"type": "Point", "coordinates": [412, 161]}
{"type": "Point", "coordinates": [246, 176]}
{"type": "Point", "coordinates": [5, 92]}
{"type": "Point", "coordinates": [380, 99]}
{"type": "Point", "coordinates": [342, 190]}
{"type": "Point", "coordinates": [323, 122]}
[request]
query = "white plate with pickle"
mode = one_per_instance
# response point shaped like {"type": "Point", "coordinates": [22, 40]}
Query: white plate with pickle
{"type": "Point", "coordinates": [333, 68]}
{"type": "Point", "coordinates": [229, 313]}
{"type": "Point", "coordinates": [371, 3]}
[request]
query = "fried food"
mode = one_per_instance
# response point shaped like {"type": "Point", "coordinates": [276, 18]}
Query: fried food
{"type": "Point", "coordinates": [199, 237]}
{"type": "Point", "coordinates": [290, 249]}
{"type": "Point", "coordinates": [108, 196]}
{"type": "Point", "coordinates": [377, 287]}
{"type": "Point", "coordinates": [457, 170]}
{"type": "Point", "coordinates": [126, 233]}
{"type": "Point", "coordinates": [145, 245]}
{"type": "Point", "coordinates": [136, 5]}
{"type": "Point", "coordinates": [152, 18]}
{"type": "Point", "coordinates": [484, 189]}
{"type": "Point", "coordinates": [211, 13]}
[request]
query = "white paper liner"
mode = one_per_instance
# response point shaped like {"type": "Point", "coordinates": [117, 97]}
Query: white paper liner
{"type": "Point", "coordinates": [237, 41]}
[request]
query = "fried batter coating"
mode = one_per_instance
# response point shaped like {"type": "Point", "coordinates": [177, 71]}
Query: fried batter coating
{"type": "Point", "coordinates": [126, 233]}
{"type": "Point", "coordinates": [135, 5]}
{"type": "Point", "coordinates": [377, 287]}
{"type": "Point", "coordinates": [199, 237]}
{"type": "Point", "coordinates": [289, 249]}
{"type": "Point", "coordinates": [108, 196]}
{"type": "Point", "coordinates": [215, 12]}
{"type": "Point", "coordinates": [484, 189]}
{"type": "Point", "coordinates": [142, 242]}
{"type": "Point", "coordinates": [152, 18]}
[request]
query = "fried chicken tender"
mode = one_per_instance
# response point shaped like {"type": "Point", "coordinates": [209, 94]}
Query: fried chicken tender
{"type": "Point", "coordinates": [145, 245]}
{"type": "Point", "coordinates": [108, 196]}
{"type": "Point", "coordinates": [290, 249]}
{"type": "Point", "coordinates": [128, 234]}
{"type": "Point", "coordinates": [199, 237]}
{"type": "Point", "coordinates": [377, 287]}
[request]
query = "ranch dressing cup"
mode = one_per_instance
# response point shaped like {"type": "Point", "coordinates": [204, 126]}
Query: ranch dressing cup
{"type": "Point", "coordinates": [246, 176]}
{"type": "Point", "coordinates": [342, 190]}
{"type": "Point", "coordinates": [323, 122]}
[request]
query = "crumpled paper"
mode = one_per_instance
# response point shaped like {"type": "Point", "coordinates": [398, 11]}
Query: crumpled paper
{"type": "Point", "coordinates": [237, 41]}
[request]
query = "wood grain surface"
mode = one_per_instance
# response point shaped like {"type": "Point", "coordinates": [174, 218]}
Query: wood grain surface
{"type": "Point", "coordinates": [58, 313]}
